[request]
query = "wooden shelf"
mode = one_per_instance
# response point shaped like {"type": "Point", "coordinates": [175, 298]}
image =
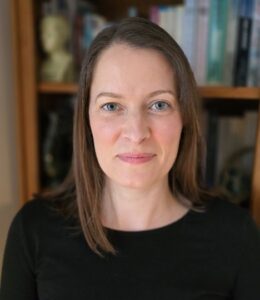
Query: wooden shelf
{"type": "Point", "coordinates": [235, 93]}
{"type": "Point", "coordinates": [57, 88]}
{"type": "Point", "coordinates": [208, 92]}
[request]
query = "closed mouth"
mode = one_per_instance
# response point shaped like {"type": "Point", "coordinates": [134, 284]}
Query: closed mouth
{"type": "Point", "coordinates": [136, 158]}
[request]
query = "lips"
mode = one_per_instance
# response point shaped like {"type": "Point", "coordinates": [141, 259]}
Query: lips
{"type": "Point", "coordinates": [136, 158]}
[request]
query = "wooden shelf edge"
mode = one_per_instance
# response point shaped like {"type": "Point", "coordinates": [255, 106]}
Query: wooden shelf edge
{"type": "Point", "coordinates": [231, 93]}
{"type": "Point", "coordinates": [57, 88]}
{"type": "Point", "coordinates": [207, 92]}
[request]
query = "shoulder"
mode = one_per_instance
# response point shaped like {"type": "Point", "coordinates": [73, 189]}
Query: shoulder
{"type": "Point", "coordinates": [230, 220]}
{"type": "Point", "coordinates": [34, 210]}
{"type": "Point", "coordinates": [236, 230]}
{"type": "Point", "coordinates": [34, 216]}
{"type": "Point", "coordinates": [218, 204]}
{"type": "Point", "coordinates": [221, 208]}
{"type": "Point", "coordinates": [37, 224]}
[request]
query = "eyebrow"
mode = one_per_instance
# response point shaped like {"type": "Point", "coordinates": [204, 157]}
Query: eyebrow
{"type": "Point", "coordinates": [156, 93]}
{"type": "Point", "coordinates": [118, 96]}
{"type": "Point", "coordinates": [108, 94]}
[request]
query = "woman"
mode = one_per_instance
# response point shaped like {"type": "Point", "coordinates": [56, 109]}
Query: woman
{"type": "Point", "coordinates": [133, 221]}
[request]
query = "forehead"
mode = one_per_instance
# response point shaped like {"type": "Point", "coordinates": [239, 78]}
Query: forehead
{"type": "Point", "coordinates": [126, 65]}
{"type": "Point", "coordinates": [116, 53]}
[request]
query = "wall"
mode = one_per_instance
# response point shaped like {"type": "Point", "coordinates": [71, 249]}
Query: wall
{"type": "Point", "coordinates": [9, 202]}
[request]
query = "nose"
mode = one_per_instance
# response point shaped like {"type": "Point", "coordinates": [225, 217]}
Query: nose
{"type": "Point", "coordinates": [136, 128]}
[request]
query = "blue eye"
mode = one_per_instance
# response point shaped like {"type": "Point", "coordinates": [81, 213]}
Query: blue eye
{"type": "Point", "coordinates": [110, 107]}
{"type": "Point", "coordinates": [160, 106]}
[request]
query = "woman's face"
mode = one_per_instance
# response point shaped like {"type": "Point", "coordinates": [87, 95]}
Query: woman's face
{"type": "Point", "coordinates": [134, 116]}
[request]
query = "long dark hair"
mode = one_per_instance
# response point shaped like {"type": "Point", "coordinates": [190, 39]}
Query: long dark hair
{"type": "Point", "coordinates": [81, 192]}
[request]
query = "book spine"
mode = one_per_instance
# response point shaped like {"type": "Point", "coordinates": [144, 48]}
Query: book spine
{"type": "Point", "coordinates": [233, 9]}
{"type": "Point", "coordinates": [216, 41]}
{"type": "Point", "coordinates": [163, 19]}
{"type": "Point", "coordinates": [93, 24]}
{"type": "Point", "coordinates": [189, 31]}
{"type": "Point", "coordinates": [243, 43]}
{"type": "Point", "coordinates": [254, 53]}
{"type": "Point", "coordinates": [154, 14]}
{"type": "Point", "coordinates": [202, 40]}
{"type": "Point", "coordinates": [87, 30]}
{"type": "Point", "coordinates": [171, 15]}
{"type": "Point", "coordinates": [179, 22]}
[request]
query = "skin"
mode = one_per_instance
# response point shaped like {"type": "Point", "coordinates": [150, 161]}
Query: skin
{"type": "Point", "coordinates": [133, 109]}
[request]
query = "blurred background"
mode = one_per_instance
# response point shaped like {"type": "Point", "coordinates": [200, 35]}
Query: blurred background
{"type": "Point", "coordinates": [42, 45]}
{"type": "Point", "coordinates": [9, 195]}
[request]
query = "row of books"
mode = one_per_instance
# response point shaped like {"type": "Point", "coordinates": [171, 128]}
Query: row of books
{"type": "Point", "coordinates": [221, 38]}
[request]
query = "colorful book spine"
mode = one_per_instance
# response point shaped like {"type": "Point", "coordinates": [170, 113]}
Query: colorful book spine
{"type": "Point", "coordinates": [169, 17]}
{"type": "Point", "coordinates": [171, 20]}
{"type": "Point", "coordinates": [179, 13]}
{"type": "Point", "coordinates": [93, 24]}
{"type": "Point", "coordinates": [163, 17]}
{"type": "Point", "coordinates": [154, 14]}
{"type": "Point", "coordinates": [233, 12]}
{"type": "Point", "coordinates": [201, 41]}
{"type": "Point", "coordinates": [253, 78]}
{"type": "Point", "coordinates": [217, 41]}
{"type": "Point", "coordinates": [243, 43]}
{"type": "Point", "coordinates": [190, 31]}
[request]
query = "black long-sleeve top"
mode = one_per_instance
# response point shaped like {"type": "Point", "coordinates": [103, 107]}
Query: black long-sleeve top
{"type": "Point", "coordinates": [204, 256]}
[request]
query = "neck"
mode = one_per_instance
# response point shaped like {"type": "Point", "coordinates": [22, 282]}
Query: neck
{"type": "Point", "coordinates": [135, 209]}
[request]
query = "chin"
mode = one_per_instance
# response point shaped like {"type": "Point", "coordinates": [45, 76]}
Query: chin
{"type": "Point", "coordinates": [135, 184]}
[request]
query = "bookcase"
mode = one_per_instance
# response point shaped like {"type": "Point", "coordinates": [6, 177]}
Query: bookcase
{"type": "Point", "coordinates": [30, 92]}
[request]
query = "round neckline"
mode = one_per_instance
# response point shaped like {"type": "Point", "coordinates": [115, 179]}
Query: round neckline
{"type": "Point", "coordinates": [156, 230]}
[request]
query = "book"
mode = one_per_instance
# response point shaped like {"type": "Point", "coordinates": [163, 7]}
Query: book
{"type": "Point", "coordinates": [189, 31]}
{"type": "Point", "coordinates": [217, 41]}
{"type": "Point", "coordinates": [253, 78]}
{"type": "Point", "coordinates": [229, 60]}
{"type": "Point", "coordinates": [92, 24]}
{"type": "Point", "coordinates": [243, 43]}
{"type": "Point", "coordinates": [154, 14]}
{"type": "Point", "coordinates": [170, 18]}
{"type": "Point", "coordinates": [179, 13]}
{"type": "Point", "coordinates": [201, 41]}
{"type": "Point", "coordinates": [163, 17]}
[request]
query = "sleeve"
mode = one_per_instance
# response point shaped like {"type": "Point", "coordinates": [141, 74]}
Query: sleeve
{"type": "Point", "coordinates": [247, 285]}
{"type": "Point", "coordinates": [18, 278]}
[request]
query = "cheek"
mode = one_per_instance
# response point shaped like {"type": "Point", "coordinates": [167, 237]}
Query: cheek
{"type": "Point", "coordinates": [104, 131]}
{"type": "Point", "coordinates": [168, 131]}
